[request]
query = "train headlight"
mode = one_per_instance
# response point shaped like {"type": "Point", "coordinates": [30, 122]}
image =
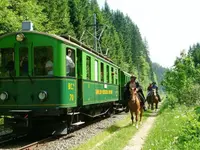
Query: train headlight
{"type": "Point", "coordinates": [20, 37]}
{"type": "Point", "coordinates": [4, 96]}
{"type": "Point", "coordinates": [42, 95]}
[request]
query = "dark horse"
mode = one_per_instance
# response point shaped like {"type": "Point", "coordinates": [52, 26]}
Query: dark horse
{"type": "Point", "coordinates": [135, 106]}
{"type": "Point", "coordinates": [152, 99]}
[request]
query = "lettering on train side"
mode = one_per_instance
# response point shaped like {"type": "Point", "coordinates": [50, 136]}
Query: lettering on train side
{"type": "Point", "coordinates": [104, 92]}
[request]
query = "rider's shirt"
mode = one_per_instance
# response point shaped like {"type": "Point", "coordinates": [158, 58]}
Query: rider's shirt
{"type": "Point", "coordinates": [154, 87]}
{"type": "Point", "coordinates": [132, 85]}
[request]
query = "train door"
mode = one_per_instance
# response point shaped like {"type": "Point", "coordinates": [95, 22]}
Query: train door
{"type": "Point", "coordinates": [80, 77]}
{"type": "Point", "coordinates": [23, 59]}
{"type": "Point", "coordinates": [71, 75]}
{"type": "Point", "coordinates": [24, 73]}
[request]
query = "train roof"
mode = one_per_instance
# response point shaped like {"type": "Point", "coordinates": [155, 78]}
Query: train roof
{"type": "Point", "coordinates": [66, 39]}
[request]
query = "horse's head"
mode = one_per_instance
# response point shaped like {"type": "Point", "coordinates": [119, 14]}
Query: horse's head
{"type": "Point", "coordinates": [133, 92]}
{"type": "Point", "coordinates": [154, 92]}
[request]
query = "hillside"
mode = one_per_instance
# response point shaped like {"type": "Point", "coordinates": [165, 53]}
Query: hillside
{"type": "Point", "coordinates": [121, 39]}
{"type": "Point", "coordinates": [159, 71]}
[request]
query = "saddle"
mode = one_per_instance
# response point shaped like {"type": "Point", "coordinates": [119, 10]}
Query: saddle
{"type": "Point", "coordinates": [140, 97]}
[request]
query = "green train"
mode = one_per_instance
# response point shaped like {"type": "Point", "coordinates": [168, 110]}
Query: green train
{"type": "Point", "coordinates": [52, 81]}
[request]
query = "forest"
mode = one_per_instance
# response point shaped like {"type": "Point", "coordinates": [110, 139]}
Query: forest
{"type": "Point", "coordinates": [121, 40]}
{"type": "Point", "coordinates": [182, 86]}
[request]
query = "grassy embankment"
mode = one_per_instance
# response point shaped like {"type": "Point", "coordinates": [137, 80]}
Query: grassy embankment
{"type": "Point", "coordinates": [1, 121]}
{"type": "Point", "coordinates": [115, 137]}
{"type": "Point", "coordinates": [175, 129]}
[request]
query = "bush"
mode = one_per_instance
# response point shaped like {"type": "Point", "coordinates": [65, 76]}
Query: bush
{"type": "Point", "coordinates": [1, 121]}
{"type": "Point", "coordinates": [190, 96]}
{"type": "Point", "coordinates": [171, 101]}
{"type": "Point", "coordinates": [190, 133]}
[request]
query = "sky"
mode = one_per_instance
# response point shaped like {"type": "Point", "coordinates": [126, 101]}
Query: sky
{"type": "Point", "coordinates": [168, 25]}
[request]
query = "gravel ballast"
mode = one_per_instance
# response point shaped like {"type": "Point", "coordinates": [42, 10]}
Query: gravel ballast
{"type": "Point", "coordinates": [80, 136]}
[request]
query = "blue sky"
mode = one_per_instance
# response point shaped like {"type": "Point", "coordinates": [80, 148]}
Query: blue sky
{"type": "Point", "coordinates": [168, 25]}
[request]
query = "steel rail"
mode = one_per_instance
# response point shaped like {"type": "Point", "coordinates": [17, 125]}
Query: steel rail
{"type": "Point", "coordinates": [35, 144]}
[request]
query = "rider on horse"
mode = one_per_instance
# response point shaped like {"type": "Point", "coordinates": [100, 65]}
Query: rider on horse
{"type": "Point", "coordinates": [154, 86]}
{"type": "Point", "coordinates": [127, 94]}
{"type": "Point", "coordinates": [149, 89]}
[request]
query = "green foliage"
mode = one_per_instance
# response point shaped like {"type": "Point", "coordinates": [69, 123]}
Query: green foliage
{"type": "Point", "coordinates": [182, 84]}
{"type": "Point", "coordinates": [191, 95]}
{"type": "Point", "coordinates": [29, 10]}
{"type": "Point", "coordinates": [177, 129]}
{"type": "Point", "coordinates": [14, 12]}
{"type": "Point", "coordinates": [194, 51]}
{"type": "Point", "coordinates": [1, 121]}
{"type": "Point", "coordinates": [171, 101]}
{"type": "Point", "coordinates": [9, 20]}
{"type": "Point", "coordinates": [57, 13]}
{"type": "Point", "coordinates": [197, 110]}
{"type": "Point", "coordinates": [190, 133]}
{"type": "Point", "coordinates": [180, 78]}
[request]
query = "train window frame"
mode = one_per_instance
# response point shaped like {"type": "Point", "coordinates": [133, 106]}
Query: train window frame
{"type": "Point", "coordinates": [8, 64]}
{"type": "Point", "coordinates": [24, 61]}
{"type": "Point", "coordinates": [47, 64]}
{"type": "Point", "coordinates": [88, 68]}
{"type": "Point", "coordinates": [112, 75]}
{"type": "Point", "coordinates": [116, 76]}
{"type": "Point", "coordinates": [72, 60]}
{"type": "Point", "coordinates": [96, 70]}
{"type": "Point", "coordinates": [102, 71]}
{"type": "Point", "coordinates": [108, 73]}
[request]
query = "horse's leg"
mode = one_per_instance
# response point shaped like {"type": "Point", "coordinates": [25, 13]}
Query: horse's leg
{"type": "Point", "coordinates": [132, 117]}
{"type": "Point", "coordinates": [148, 103]}
{"type": "Point", "coordinates": [141, 112]}
{"type": "Point", "coordinates": [151, 105]}
{"type": "Point", "coordinates": [136, 117]}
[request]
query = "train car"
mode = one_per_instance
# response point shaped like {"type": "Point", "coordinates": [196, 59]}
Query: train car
{"type": "Point", "coordinates": [39, 88]}
{"type": "Point", "coordinates": [124, 78]}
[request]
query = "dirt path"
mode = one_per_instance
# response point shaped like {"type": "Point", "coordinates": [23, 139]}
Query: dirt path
{"type": "Point", "coordinates": [138, 139]}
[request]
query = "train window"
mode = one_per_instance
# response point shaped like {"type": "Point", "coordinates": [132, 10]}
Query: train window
{"type": "Point", "coordinates": [108, 73]}
{"type": "Point", "coordinates": [96, 70]}
{"type": "Point", "coordinates": [116, 76]}
{"type": "Point", "coordinates": [88, 68]}
{"type": "Point", "coordinates": [23, 55]}
{"type": "Point", "coordinates": [70, 65]}
{"type": "Point", "coordinates": [7, 62]}
{"type": "Point", "coordinates": [43, 61]}
{"type": "Point", "coordinates": [113, 74]}
{"type": "Point", "coordinates": [102, 72]}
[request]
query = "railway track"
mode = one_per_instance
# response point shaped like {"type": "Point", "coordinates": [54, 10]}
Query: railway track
{"type": "Point", "coordinates": [51, 138]}
{"type": "Point", "coordinates": [10, 140]}
{"type": "Point", "coordinates": [10, 137]}
{"type": "Point", "coordinates": [37, 143]}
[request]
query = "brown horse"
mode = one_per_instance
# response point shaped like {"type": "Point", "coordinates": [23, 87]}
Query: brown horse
{"type": "Point", "coordinates": [135, 106]}
{"type": "Point", "coordinates": [154, 99]}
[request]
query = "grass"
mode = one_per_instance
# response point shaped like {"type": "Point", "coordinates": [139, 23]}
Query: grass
{"type": "Point", "coordinates": [115, 137]}
{"type": "Point", "coordinates": [1, 120]}
{"type": "Point", "coordinates": [166, 129]}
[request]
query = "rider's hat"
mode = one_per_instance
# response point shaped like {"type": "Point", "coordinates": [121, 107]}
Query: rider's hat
{"type": "Point", "coordinates": [133, 76]}
{"type": "Point", "coordinates": [154, 83]}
